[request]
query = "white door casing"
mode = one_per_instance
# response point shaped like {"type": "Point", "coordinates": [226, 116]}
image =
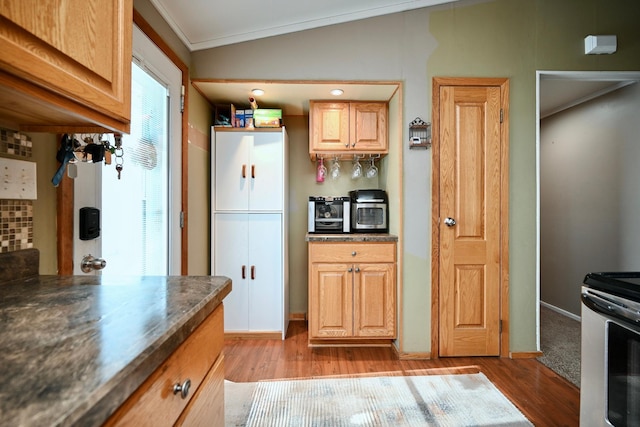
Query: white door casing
{"type": "Point", "coordinates": [87, 188]}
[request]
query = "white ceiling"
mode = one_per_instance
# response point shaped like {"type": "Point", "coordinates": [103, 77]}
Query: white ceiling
{"type": "Point", "coordinates": [203, 24]}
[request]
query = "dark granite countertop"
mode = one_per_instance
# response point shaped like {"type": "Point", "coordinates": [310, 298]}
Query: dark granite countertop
{"type": "Point", "coordinates": [74, 348]}
{"type": "Point", "coordinates": [352, 237]}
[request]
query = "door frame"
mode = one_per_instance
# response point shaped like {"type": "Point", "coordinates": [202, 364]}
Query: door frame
{"type": "Point", "coordinates": [437, 83]}
{"type": "Point", "coordinates": [64, 196]}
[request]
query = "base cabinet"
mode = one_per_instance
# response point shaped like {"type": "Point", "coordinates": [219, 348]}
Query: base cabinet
{"type": "Point", "coordinates": [199, 360]}
{"type": "Point", "coordinates": [352, 292]}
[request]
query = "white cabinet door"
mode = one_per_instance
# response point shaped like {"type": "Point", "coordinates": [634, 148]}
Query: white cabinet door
{"type": "Point", "coordinates": [231, 249]}
{"type": "Point", "coordinates": [249, 171]}
{"type": "Point", "coordinates": [267, 172]}
{"type": "Point", "coordinates": [248, 249]}
{"type": "Point", "coordinates": [265, 272]}
{"type": "Point", "coordinates": [232, 169]}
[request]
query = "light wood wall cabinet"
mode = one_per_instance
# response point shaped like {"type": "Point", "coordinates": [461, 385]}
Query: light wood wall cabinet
{"type": "Point", "coordinates": [200, 361]}
{"type": "Point", "coordinates": [66, 63]}
{"type": "Point", "coordinates": [352, 293]}
{"type": "Point", "coordinates": [249, 229]}
{"type": "Point", "coordinates": [348, 128]}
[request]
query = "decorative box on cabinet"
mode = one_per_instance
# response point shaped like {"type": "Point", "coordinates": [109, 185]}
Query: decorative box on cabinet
{"type": "Point", "coordinates": [199, 361]}
{"type": "Point", "coordinates": [67, 64]}
{"type": "Point", "coordinates": [249, 232]}
{"type": "Point", "coordinates": [352, 293]}
{"type": "Point", "coordinates": [348, 128]}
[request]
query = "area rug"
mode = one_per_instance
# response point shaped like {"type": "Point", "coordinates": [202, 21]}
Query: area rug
{"type": "Point", "coordinates": [432, 400]}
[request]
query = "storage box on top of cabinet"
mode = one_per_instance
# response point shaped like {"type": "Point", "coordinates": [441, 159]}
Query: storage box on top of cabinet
{"type": "Point", "coordinates": [249, 228]}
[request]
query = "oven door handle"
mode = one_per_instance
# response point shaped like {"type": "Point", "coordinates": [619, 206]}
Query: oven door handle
{"type": "Point", "coordinates": [610, 308]}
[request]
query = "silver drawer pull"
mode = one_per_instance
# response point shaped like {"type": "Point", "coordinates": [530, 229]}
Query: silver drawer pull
{"type": "Point", "coordinates": [183, 388]}
{"type": "Point", "coordinates": [354, 253]}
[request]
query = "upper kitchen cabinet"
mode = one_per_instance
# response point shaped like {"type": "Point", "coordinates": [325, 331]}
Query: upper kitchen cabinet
{"type": "Point", "coordinates": [66, 64]}
{"type": "Point", "coordinates": [348, 128]}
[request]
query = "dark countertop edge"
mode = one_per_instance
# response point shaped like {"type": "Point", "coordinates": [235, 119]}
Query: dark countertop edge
{"type": "Point", "coordinates": [104, 401]}
{"type": "Point", "coordinates": [351, 237]}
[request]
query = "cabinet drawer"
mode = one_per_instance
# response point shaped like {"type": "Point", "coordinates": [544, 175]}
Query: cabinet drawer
{"type": "Point", "coordinates": [352, 252]}
{"type": "Point", "coordinates": [207, 406]}
{"type": "Point", "coordinates": [154, 403]}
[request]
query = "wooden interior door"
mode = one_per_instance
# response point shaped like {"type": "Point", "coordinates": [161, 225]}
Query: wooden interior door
{"type": "Point", "coordinates": [471, 216]}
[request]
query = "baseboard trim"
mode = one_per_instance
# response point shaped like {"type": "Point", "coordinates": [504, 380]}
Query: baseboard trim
{"type": "Point", "coordinates": [297, 316]}
{"type": "Point", "coordinates": [253, 335]}
{"type": "Point", "coordinates": [560, 311]}
{"type": "Point", "coordinates": [524, 354]}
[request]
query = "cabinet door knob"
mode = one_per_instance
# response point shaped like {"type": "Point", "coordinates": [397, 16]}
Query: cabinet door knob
{"type": "Point", "coordinates": [357, 269]}
{"type": "Point", "coordinates": [253, 272]}
{"type": "Point", "coordinates": [183, 388]}
{"type": "Point", "coordinates": [253, 171]}
{"type": "Point", "coordinates": [244, 171]}
{"type": "Point", "coordinates": [350, 270]}
{"type": "Point", "coordinates": [354, 253]}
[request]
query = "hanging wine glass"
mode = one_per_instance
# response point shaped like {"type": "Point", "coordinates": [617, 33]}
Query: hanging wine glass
{"type": "Point", "coordinates": [334, 171]}
{"type": "Point", "coordinates": [321, 172]}
{"type": "Point", "coordinates": [372, 170]}
{"type": "Point", "coordinates": [357, 168]}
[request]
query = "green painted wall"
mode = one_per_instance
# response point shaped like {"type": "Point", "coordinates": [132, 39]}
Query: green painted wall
{"type": "Point", "coordinates": [513, 39]}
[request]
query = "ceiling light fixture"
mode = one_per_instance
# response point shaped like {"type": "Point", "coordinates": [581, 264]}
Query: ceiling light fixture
{"type": "Point", "coordinates": [257, 92]}
{"type": "Point", "coordinates": [336, 92]}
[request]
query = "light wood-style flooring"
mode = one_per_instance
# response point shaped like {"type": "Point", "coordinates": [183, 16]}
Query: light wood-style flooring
{"type": "Point", "coordinates": [544, 397]}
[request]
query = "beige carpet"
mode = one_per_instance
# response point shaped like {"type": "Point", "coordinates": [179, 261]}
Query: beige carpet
{"type": "Point", "coordinates": [431, 400]}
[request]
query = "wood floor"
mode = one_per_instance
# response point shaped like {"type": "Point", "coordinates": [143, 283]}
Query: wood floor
{"type": "Point", "coordinates": [544, 397]}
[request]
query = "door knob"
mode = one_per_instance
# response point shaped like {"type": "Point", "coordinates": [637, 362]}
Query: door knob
{"type": "Point", "coordinates": [449, 222]}
{"type": "Point", "coordinates": [90, 263]}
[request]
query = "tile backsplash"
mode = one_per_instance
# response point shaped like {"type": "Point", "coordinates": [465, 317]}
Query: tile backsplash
{"type": "Point", "coordinates": [16, 216]}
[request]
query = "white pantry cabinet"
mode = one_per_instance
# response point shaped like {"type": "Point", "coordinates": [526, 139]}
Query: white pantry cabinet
{"type": "Point", "coordinates": [249, 229]}
{"type": "Point", "coordinates": [249, 171]}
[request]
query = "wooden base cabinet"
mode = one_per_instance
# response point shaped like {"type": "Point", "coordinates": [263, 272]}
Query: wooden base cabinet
{"type": "Point", "coordinates": [352, 293]}
{"type": "Point", "coordinates": [199, 359]}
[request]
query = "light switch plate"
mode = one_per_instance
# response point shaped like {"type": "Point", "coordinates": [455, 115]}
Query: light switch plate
{"type": "Point", "coordinates": [17, 179]}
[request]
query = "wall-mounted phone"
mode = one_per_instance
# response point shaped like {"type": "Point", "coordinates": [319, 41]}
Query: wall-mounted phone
{"type": "Point", "coordinates": [89, 223]}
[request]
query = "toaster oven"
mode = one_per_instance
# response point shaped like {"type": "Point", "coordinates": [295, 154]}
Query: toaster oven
{"type": "Point", "coordinates": [329, 215]}
{"type": "Point", "coordinates": [369, 211]}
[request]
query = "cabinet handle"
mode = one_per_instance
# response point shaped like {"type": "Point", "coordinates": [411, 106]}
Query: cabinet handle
{"type": "Point", "coordinates": [253, 171]}
{"type": "Point", "coordinates": [354, 253]}
{"type": "Point", "coordinates": [253, 272]}
{"type": "Point", "coordinates": [350, 270]}
{"type": "Point", "coordinates": [346, 145]}
{"type": "Point", "coordinates": [183, 388]}
{"type": "Point", "coordinates": [357, 269]}
{"type": "Point", "coordinates": [244, 271]}
{"type": "Point", "coordinates": [244, 171]}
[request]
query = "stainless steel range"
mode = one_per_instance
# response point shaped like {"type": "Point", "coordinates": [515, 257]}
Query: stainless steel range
{"type": "Point", "coordinates": [610, 360]}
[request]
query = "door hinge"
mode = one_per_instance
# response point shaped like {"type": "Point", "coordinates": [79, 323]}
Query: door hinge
{"type": "Point", "coordinates": [501, 115]}
{"type": "Point", "coordinates": [182, 100]}
{"type": "Point", "coordinates": [181, 219]}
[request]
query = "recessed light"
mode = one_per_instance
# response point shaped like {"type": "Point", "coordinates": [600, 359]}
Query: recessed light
{"type": "Point", "coordinates": [257, 92]}
{"type": "Point", "coordinates": [337, 92]}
